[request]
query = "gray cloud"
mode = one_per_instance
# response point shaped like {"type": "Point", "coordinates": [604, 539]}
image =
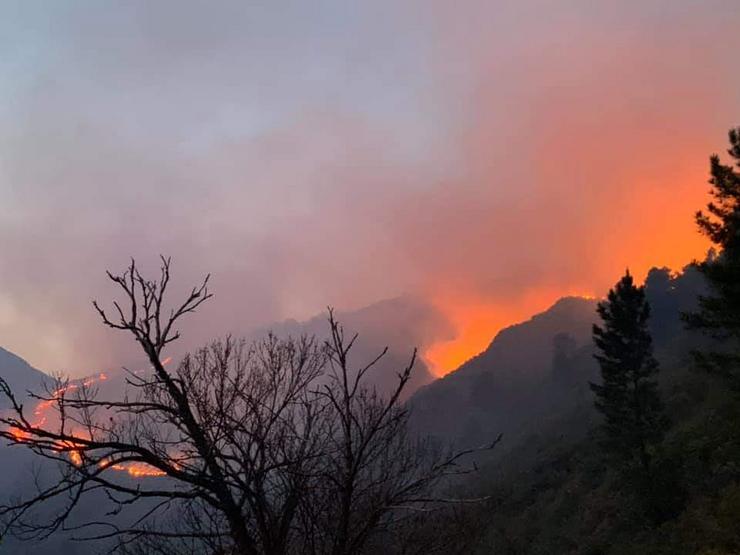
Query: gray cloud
{"type": "Point", "coordinates": [316, 153]}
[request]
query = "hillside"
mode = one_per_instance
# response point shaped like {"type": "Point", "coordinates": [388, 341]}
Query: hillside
{"type": "Point", "coordinates": [549, 489]}
{"type": "Point", "coordinates": [516, 382]}
{"type": "Point", "coordinates": [20, 375]}
{"type": "Point", "coordinates": [400, 324]}
{"type": "Point", "coordinates": [554, 491]}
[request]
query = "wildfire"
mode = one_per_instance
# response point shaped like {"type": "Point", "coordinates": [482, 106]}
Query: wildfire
{"type": "Point", "coordinates": [73, 450]}
{"type": "Point", "coordinates": [136, 470]}
{"type": "Point", "coordinates": [477, 322]}
{"type": "Point", "coordinates": [140, 470]}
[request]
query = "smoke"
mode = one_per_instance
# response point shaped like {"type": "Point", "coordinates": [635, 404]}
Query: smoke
{"type": "Point", "coordinates": [487, 158]}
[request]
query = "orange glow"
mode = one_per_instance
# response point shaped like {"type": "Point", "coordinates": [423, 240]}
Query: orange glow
{"type": "Point", "coordinates": [478, 319]}
{"type": "Point", "coordinates": [19, 435]}
{"type": "Point", "coordinates": [75, 457]}
{"type": "Point", "coordinates": [649, 223]}
{"type": "Point", "coordinates": [477, 322]}
{"type": "Point", "coordinates": [137, 470]}
{"type": "Point", "coordinates": [40, 412]}
{"type": "Point", "coordinates": [140, 470]}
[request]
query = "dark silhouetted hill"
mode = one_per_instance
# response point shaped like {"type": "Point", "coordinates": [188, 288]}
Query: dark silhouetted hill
{"type": "Point", "coordinates": [528, 373]}
{"type": "Point", "coordinates": [401, 324]}
{"type": "Point", "coordinates": [20, 375]}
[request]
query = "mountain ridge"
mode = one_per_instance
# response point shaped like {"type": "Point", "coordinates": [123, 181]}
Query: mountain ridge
{"type": "Point", "coordinates": [506, 386]}
{"type": "Point", "coordinates": [20, 375]}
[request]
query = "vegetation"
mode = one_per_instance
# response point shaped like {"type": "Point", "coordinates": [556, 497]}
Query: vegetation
{"type": "Point", "coordinates": [628, 396]}
{"type": "Point", "coordinates": [272, 448]}
{"type": "Point", "coordinates": [279, 447]}
{"type": "Point", "coordinates": [719, 311]}
{"type": "Point", "coordinates": [554, 495]}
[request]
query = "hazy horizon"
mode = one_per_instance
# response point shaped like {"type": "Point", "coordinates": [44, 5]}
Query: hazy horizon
{"type": "Point", "coordinates": [485, 158]}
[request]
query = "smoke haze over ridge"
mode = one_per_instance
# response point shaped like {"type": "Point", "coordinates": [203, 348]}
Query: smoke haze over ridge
{"type": "Point", "coordinates": [487, 158]}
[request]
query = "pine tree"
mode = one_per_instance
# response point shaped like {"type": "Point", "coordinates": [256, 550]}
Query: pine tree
{"type": "Point", "coordinates": [719, 311]}
{"type": "Point", "coordinates": [628, 397]}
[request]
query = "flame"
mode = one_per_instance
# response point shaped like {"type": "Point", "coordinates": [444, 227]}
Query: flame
{"type": "Point", "coordinates": [478, 321]}
{"type": "Point", "coordinates": [140, 470]}
{"type": "Point", "coordinates": [74, 450]}
{"type": "Point", "coordinates": [136, 470]}
{"type": "Point", "coordinates": [19, 435]}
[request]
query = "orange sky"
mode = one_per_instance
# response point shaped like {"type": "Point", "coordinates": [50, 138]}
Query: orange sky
{"type": "Point", "coordinates": [486, 156]}
{"type": "Point", "coordinates": [656, 229]}
{"type": "Point", "coordinates": [476, 321]}
{"type": "Point", "coordinates": [583, 150]}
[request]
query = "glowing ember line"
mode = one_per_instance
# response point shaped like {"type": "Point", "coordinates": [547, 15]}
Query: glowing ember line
{"type": "Point", "coordinates": [136, 470]}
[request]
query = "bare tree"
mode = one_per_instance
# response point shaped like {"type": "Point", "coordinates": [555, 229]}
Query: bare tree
{"type": "Point", "coordinates": [271, 448]}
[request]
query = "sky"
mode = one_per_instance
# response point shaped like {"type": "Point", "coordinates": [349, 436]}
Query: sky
{"type": "Point", "coordinates": [486, 157]}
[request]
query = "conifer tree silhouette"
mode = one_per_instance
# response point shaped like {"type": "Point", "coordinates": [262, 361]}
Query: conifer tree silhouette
{"type": "Point", "coordinates": [719, 311]}
{"type": "Point", "coordinates": [628, 396]}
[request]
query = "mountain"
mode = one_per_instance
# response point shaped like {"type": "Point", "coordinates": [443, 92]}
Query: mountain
{"type": "Point", "coordinates": [530, 372]}
{"type": "Point", "coordinates": [530, 383]}
{"type": "Point", "coordinates": [17, 465]}
{"type": "Point", "coordinates": [556, 491]}
{"type": "Point", "coordinates": [401, 324]}
{"type": "Point", "coordinates": [21, 471]}
{"type": "Point", "coordinates": [19, 375]}
{"type": "Point", "coordinates": [504, 389]}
